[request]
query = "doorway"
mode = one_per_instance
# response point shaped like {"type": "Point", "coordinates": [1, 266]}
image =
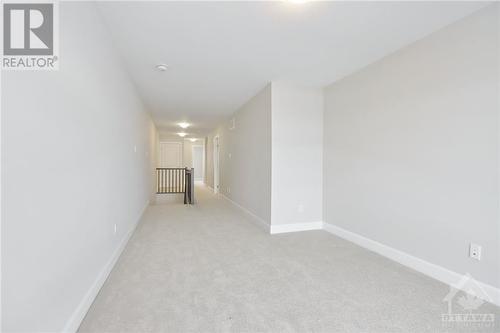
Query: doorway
{"type": "Point", "coordinates": [198, 153]}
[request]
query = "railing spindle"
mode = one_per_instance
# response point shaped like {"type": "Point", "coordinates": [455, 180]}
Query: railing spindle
{"type": "Point", "coordinates": [176, 180]}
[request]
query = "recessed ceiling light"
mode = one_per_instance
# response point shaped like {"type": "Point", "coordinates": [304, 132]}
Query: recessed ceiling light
{"type": "Point", "coordinates": [183, 125]}
{"type": "Point", "coordinates": [161, 67]}
{"type": "Point", "coordinates": [192, 139]}
{"type": "Point", "coordinates": [182, 134]}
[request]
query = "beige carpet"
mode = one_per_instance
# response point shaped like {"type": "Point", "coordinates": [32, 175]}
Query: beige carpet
{"type": "Point", "coordinates": [207, 268]}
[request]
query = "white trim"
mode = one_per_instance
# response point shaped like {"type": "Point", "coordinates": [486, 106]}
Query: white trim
{"type": "Point", "coordinates": [434, 271]}
{"type": "Point", "coordinates": [81, 310]}
{"type": "Point", "coordinates": [293, 227]}
{"type": "Point", "coordinates": [258, 221]}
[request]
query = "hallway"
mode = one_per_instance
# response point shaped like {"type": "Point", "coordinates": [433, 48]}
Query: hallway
{"type": "Point", "coordinates": [354, 148]}
{"type": "Point", "coordinates": [207, 268]}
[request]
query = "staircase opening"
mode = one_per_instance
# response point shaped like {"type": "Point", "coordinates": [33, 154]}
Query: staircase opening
{"type": "Point", "coordinates": [175, 181]}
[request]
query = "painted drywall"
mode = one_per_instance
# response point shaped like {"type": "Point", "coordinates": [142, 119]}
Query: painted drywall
{"type": "Point", "coordinates": [187, 154]}
{"type": "Point", "coordinates": [411, 148]}
{"type": "Point", "coordinates": [286, 121]}
{"type": "Point", "coordinates": [166, 137]}
{"type": "Point", "coordinates": [77, 159]}
{"type": "Point", "coordinates": [297, 154]}
{"type": "Point", "coordinates": [187, 159]}
{"type": "Point", "coordinates": [209, 160]}
{"type": "Point", "coordinates": [245, 156]}
{"type": "Point", "coordinates": [154, 146]}
{"type": "Point", "coordinates": [169, 138]}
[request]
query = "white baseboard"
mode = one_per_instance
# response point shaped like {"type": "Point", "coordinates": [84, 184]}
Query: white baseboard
{"type": "Point", "coordinates": [280, 228]}
{"type": "Point", "coordinates": [259, 221]}
{"type": "Point", "coordinates": [434, 271]}
{"type": "Point", "coordinates": [78, 315]}
{"type": "Point", "coordinates": [293, 227]}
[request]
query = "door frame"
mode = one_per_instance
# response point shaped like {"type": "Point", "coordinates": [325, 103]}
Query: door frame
{"type": "Point", "coordinates": [202, 160]}
{"type": "Point", "coordinates": [216, 156]}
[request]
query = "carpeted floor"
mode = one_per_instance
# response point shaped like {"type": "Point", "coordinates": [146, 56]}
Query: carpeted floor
{"type": "Point", "coordinates": [207, 268]}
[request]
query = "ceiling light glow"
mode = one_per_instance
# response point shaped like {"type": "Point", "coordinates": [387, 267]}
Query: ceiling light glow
{"type": "Point", "coordinates": [161, 67]}
{"type": "Point", "coordinates": [182, 134]}
{"type": "Point", "coordinates": [183, 125]}
{"type": "Point", "coordinates": [192, 140]}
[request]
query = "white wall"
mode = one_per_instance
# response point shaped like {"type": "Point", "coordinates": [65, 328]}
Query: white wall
{"type": "Point", "coordinates": [271, 163]}
{"type": "Point", "coordinates": [209, 159]}
{"type": "Point", "coordinates": [297, 154]}
{"type": "Point", "coordinates": [245, 156]}
{"type": "Point", "coordinates": [70, 174]}
{"type": "Point", "coordinates": [154, 146]}
{"type": "Point", "coordinates": [186, 146]}
{"type": "Point", "coordinates": [411, 148]}
{"type": "Point", "coordinates": [187, 154]}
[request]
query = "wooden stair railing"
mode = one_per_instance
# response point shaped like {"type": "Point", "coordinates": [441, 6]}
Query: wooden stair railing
{"type": "Point", "coordinates": [176, 180]}
{"type": "Point", "coordinates": [189, 187]}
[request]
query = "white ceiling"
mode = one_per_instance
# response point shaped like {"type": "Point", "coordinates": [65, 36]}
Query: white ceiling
{"type": "Point", "coordinates": [221, 53]}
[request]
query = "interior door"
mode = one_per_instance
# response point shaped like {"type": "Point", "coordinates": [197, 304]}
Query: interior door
{"type": "Point", "coordinates": [198, 152]}
{"type": "Point", "coordinates": [170, 155]}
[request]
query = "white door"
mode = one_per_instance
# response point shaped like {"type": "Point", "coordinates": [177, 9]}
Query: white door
{"type": "Point", "coordinates": [170, 155]}
{"type": "Point", "coordinates": [198, 162]}
{"type": "Point", "coordinates": [216, 164]}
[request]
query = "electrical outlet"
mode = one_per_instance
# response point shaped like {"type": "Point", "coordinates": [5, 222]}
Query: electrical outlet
{"type": "Point", "coordinates": [115, 228]}
{"type": "Point", "coordinates": [475, 251]}
{"type": "Point", "coordinates": [135, 149]}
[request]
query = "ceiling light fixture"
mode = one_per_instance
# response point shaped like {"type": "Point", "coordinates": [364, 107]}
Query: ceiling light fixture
{"type": "Point", "coordinates": [193, 140]}
{"type": "Point", "coordinates": [182, 134]}
{"type": "Point", "coordinates": [183, 125]}
{"type": "Point", "coordinates": [161, 67]}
